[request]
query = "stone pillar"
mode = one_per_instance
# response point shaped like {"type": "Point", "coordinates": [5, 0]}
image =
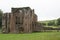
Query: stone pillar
{"type": "Point", "coordinates": [12, 24]}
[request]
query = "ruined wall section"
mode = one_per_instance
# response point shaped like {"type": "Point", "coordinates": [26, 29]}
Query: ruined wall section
{"type": "Point", "coordinates": [6, 22]}
{"type": "Point", "coordinates": [20, 20]}
{"type": "Point", "coordinates": [12, 24]}
{"type": "Point", "coordinates": [34, 20]}
{"type": "Point", "coordinates": [27, 21]}
{"type": "Point", "coordinates": [18, 15]}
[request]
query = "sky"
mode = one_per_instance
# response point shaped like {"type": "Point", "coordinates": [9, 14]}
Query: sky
{"type": "Point", "coordinates": [45, 9]}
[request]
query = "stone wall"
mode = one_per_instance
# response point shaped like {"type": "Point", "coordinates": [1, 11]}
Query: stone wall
{"type": "Point", "coordinates": [6, 23]}
{"type": "Point", "coordinates": [20, 20]}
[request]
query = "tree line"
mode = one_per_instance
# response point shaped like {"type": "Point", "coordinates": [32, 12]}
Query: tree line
{"type": "Point", "coordinates": [52, 22]}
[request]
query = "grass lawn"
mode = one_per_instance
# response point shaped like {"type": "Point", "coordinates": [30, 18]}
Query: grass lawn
{"type": "Point", "coordinates": [32, 36]}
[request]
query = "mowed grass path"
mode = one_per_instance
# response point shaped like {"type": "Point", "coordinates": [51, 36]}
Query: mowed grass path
{"type": "Point", "coordinates": [32, 36]}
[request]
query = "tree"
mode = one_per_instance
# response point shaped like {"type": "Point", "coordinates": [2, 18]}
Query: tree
{"type": "Point", "coordinates": [43, 24]}
{"type": "Point", "coordinates": [51, 23]}
{"type": "Point", "coordinates": [58, 21]}
{"type": "Point", "coordinates": [1, 18]}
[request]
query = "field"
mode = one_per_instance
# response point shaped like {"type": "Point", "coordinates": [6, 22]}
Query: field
{"type": "Point", "coordinates": [32, 36]}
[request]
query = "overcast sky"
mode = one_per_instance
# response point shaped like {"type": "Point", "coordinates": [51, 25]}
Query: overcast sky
{"type": "Point", "coordinates": [45, 9]}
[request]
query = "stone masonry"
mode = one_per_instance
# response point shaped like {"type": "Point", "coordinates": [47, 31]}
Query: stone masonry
{"type": "Point", "coordinates": [20, 20]}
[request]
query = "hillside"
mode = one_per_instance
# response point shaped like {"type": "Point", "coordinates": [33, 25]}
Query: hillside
{"type": "Point", "coordinates": [49, 23]}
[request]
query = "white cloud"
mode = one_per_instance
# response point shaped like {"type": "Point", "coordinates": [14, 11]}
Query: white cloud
{"type": "Point", "coordinates": [45, 9]}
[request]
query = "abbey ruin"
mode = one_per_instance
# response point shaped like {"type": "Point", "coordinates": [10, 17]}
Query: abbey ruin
{"type": "Point", "coordinates": [20, 20]}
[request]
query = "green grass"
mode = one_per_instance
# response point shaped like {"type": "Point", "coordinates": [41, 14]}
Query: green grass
{"type": "Point", "coordinates": [32, 36]}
